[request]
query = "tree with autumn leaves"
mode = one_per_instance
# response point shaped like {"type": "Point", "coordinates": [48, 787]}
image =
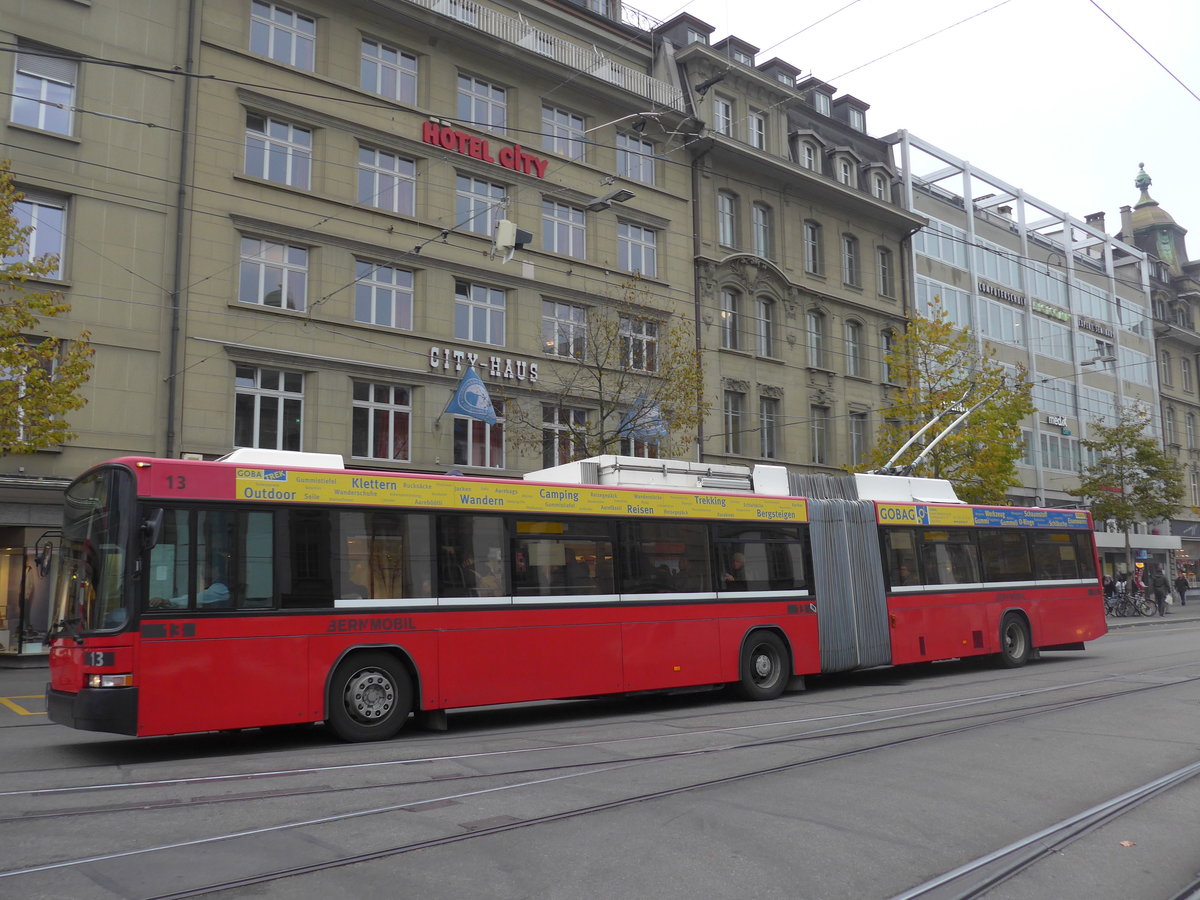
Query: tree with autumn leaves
{"type": "Point", "coordinates": [1129, 477]}
{"type": "Point", "coordinates": [40, 375]}
{"type": "Point", "coordinates": [941, 371]}
{"type": "Point", "coordinates": [635, 367]}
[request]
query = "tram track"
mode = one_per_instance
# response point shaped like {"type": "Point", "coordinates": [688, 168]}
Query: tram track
{"type": "Point", "coordinates": [856, 723]}
{"type": "Point", "coordinates": [885, 720]}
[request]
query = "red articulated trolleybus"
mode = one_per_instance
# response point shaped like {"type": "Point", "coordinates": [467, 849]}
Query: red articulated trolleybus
{"type": "Point", "coordinates": [272, 588]}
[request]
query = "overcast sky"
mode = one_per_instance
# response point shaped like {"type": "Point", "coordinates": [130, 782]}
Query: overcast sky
{"type": "Point", "coordinates": [1048, 95]}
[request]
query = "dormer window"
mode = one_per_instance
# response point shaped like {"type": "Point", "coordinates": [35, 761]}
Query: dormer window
{"type": "Point", "coordinates": [696, 37]}
{"type": "Point", "coordinates": [785, 78]}
{"type": "Point", "coordinates": [822, 102]}
{"type": "Point", "coordinates": [742, 57]}
{"type": "Point", "coordinates": [844, 169]}
{"type": "Point", "coordinates": [879, 187]}
{"type": "Point", "coordinates": [858, 121]}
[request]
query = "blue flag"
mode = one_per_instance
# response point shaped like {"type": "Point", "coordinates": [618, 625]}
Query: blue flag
{"type": "Point", "coordinates": [471, 399]}
{"type": "Point", "coordinates": [644, 422]}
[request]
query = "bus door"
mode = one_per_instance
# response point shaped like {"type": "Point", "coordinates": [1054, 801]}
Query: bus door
{"type": "Point", "coordinates": [848, 578]}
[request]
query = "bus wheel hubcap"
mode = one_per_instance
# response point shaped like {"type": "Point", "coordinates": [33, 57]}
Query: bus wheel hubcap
{"type": "Point", "coordinates": [370, 696]}
{"type": "Point", "coordinates": [762, 666]}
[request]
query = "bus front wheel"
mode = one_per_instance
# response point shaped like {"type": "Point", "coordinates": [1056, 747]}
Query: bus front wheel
{"type": "Point", "coordinates": [370, 697]}
{"type": "Point", "coordinates": [1015, 643]}
{"type": "Point", "coordinates": [763, 668]}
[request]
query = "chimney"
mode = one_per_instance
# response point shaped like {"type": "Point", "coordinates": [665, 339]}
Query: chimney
{"type": "Point", "coordinates": [1096, 220]}
{"type": "Point", "coordinates": [1005, 211]}
{"type": "Point", "coordinates": [1127, 223]}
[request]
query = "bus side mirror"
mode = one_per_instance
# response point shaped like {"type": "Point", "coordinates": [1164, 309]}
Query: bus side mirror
{"type": "Point", "coordinates": [151, 529]}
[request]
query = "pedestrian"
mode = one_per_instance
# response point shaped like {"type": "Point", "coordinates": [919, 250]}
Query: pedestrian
{"type": "Point", "coordinates": [1181, 588]}
{"type": "Point", "coordinates": [1160, 586]}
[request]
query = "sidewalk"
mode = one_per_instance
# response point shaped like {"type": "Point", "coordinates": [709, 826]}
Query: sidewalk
{"type": "Point", "coordinates": [1175, 613]}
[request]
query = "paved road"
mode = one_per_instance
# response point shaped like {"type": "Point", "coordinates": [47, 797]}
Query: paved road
{"type": "Point", "coordinates": [862, 787]}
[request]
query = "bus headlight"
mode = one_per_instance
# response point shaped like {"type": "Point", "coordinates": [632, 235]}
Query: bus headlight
{"type": "Point", "coordinates": [109, 681]}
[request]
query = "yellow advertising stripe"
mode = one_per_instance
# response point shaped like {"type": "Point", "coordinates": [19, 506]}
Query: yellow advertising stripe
{"type": "Point", "coordinates": [334, 487]}
{"type": "Point", "coordinates": [17, 708]}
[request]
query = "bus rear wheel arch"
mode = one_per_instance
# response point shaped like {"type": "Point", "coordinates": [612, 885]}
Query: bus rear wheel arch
{"type": "Point", "coordinates": [1016, 643]}
{"type": "Point", "coordinates": [764, 667]}
{"type": "Point", "coordinates": [370, 696]}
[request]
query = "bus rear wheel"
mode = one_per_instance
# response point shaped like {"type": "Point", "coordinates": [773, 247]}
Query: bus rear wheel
{"type": "Point", "coordinates": [370, 697]}
{"type": "Point", "coordinates": [763, 668]}
{"type": "Point", "coordinates": [1015, 643]}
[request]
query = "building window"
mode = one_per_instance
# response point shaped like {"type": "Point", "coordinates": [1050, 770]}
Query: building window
{"type": "Point", "coordinates": [854, 348]}
{"type": "Point", "coordinates": [635, 158]}
{"type": "Point", "coordinates": [1190, 426]}
{"type": "Point", "coordinates": [269, 408]}
{"type": "Point", "coordinates": [478, 204]}
{"type": "Point", "coordinates": [734, 411]}
{"type": "Point", "coordinates": [879, 187]}
{"type": "Point", "coordinates": [885, 272]}
{"type": "Point", "coordinates": [766, 326]}
{"type": "Point", "coordinates": [845, 171]}
{"type": "Point", "coordinates": [731, 303]}
{"type": "Point", "coordinates": [757, 124]}
{"type": "Point", "coordinates": [696, 37]}
{"type": "Point", "coordinates": [562, 132]}
{"type": "Point", "coordinates": [44, 92]}
{"type": "Point", "coordinates": [808, 156]}
{"type": "Point", "coordinates": [813, 252]}
{"type": "Point", "coordinates": [640, 447]}
{"type": "Point", "coordinates": [278, 151]}
{"type": "Point", "coordinates": [477, 443]}
{"type": "Point", "coordinates": [639, 344]}
{"type": "Point", "coordinates": [722, 116]}
{"type": "Point", "coordinates": [46, 218]}
{"type": "Point", "coordinates": [563, 434]}
{"type": "Point", "coordinates": [1185, 374]}
{"type": "Point", "coordinates": [1195, 488]}
{"type": "Point", "coordinates": [851, 264]}
{"type": "Point", "coordinates": [564, 229]}
{"type": "Point", "coordinates": [387, 181]}
{"type": "Point", "coordinates": [478, 313]}
{"type": "Point", "coordinates": [761, 226]}
{"type": "Point", "coordinates": [726, 219]}
{"type": "Point", "coordinates": [768, 427]}
{"type": "Point", "coordinates": [821, 101]}
{"type": "Point", "coordinates": [282, 35]}
{"type": "Point", "coordinates": [389, 72]}
{"type": "Point", "coordinates": [637, 249]}
{"type": "Point", "coordinates": [886, 340]}
{"type": "Point", "coordinates": [382, 415]}
{"type": "Point", "coordinates": [564, 329]}
{"type": "Point", "coordinates": [273, 275]}
{"type": "Point", "coordinates": [1169, 425]}
{"type": "Point", "coordinates": [858, 121]}
{"type": "Point", "coordinates": [816, 338]}
{"type": "Point", "coordinates": [819, 434]}
{"type": "Point", "coordinates": [482, 104]}
{"type": "Point", "coordinates": [383, 295]}
{"type": "Point", "coordinates": [1165, 361]}
{"type": "Point", "coordinates": [858, 437]}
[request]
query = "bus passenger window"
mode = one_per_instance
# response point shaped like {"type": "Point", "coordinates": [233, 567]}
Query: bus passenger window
{"type": "Point", "coordinates": [170, 567]}
{"type": "Point", "coordinates": [948, 557]}
{"type": "Point", "coordinates": [1005, 555]}
{"type": "Point", "coordinates": [1054, 555]}
{"type": "Point", "coordinates": [900, 556]}
{"type": "Point", "coordinates": [565, 556]}
{"type": "Point", "coordinates": [472, 559]}
{"type": "Point", "coordinates": [665, 557]}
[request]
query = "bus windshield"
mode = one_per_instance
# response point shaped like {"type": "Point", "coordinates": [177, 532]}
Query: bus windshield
{"type": "Point", "coordinates": [96, 537]}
